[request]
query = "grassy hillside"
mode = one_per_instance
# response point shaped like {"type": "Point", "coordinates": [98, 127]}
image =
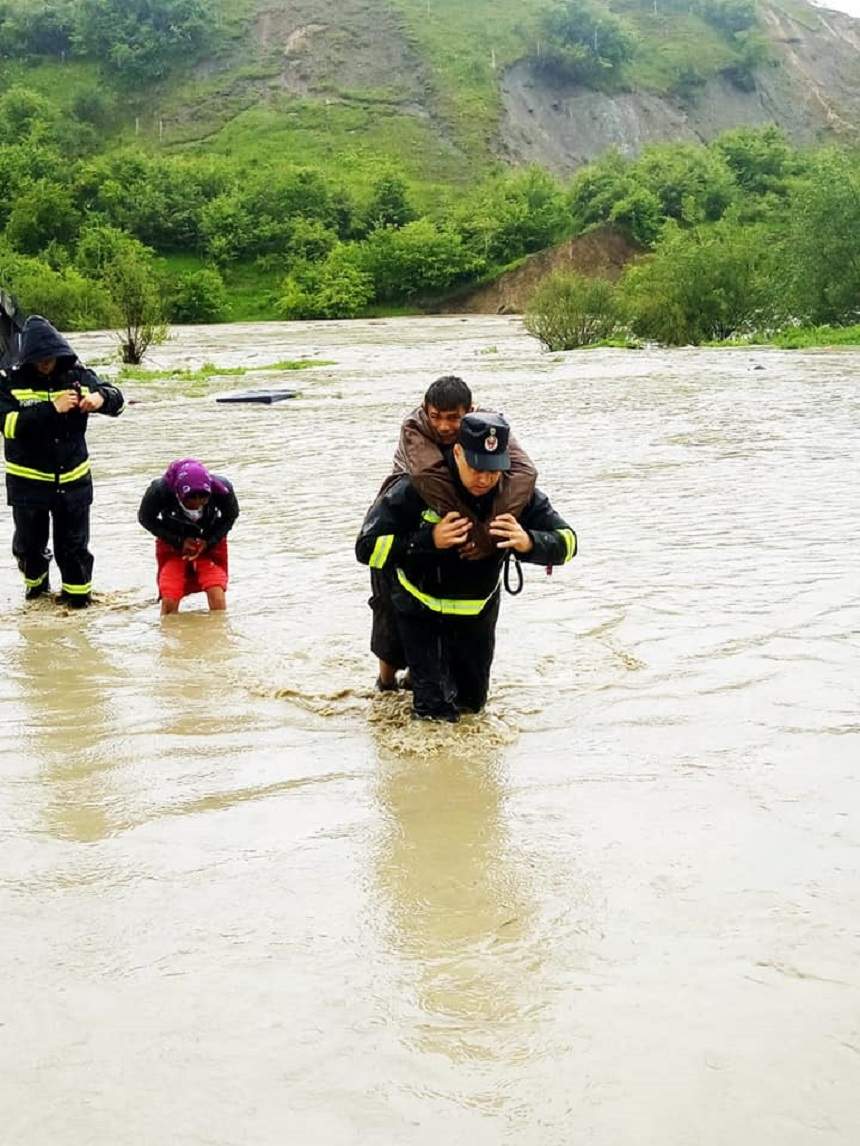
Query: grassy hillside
{"type": "Point", "coordinates": [468, 46]}
{"type": "Point", "coordinates": [334, 158]}
{"type": "Point", "coordinates": [436, 111]}
{"type": "Point", "coordinates": [672, 43]}
{"type": "Point", "coordinates": [347, 86]}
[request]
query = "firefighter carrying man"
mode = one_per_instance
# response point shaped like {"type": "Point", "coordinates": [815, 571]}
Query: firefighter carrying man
{"type": "Point", "coordinates": [446, 601]}
{"type": "Point", "coordinates": [45, 401]}
{"type": "Point", "coordinates": [427, 437]}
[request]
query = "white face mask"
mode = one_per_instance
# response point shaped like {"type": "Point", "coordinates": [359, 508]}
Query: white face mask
{"type": "Point", "coordinates": [191, 514]}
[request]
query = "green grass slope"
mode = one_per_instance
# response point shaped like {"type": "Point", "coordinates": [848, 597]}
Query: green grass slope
{"type": "Point", "coordinates": [351, 85]}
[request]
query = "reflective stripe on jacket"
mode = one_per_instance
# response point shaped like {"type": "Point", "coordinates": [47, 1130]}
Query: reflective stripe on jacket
{"type": "Point", "coordinates": [397, 537]}
{"type": "Point", "coordinates": [45, 451]}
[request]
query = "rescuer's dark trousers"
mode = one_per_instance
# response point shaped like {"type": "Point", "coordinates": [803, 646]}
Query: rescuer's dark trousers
{"type": "Point", "coordinates": [385, 641]}
{"type": "Point", "coordinates": [71, 528]}
{"type": "Point", "coordinates": [449, 660]}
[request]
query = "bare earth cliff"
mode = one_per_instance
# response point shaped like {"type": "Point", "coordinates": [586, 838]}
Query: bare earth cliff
{"type": "Point", "coordinates": [811, 90]}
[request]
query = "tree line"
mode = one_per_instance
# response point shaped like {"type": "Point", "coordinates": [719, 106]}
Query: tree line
{"type": "Point", "coordinates": [746, 232]}
{"type": "Point", "coordinates": [140, 40]}
{"type": "Point", "coordinates": [747, 237]}
{"type": "Point", "coordinates": [69, 213]}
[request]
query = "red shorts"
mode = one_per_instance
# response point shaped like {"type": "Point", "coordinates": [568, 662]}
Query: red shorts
{"type": "Point", "coordinates": [178, 577]}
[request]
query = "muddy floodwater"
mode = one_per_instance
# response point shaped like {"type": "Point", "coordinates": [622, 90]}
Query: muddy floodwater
{"type": "Point", "coordinates": [245, 902]}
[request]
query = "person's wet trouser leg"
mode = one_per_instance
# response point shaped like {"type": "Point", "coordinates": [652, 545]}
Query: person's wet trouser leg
{"type": "Point", "coordinates": [426, 647]}
{"type": "Point", "coordinates": [385, 642]}
{"type": "Point", "coordinates": [71, 546]}
{"type": "Point", "coordinates": [30, 547]}
{"type": "Point", "coordinates": [472, 643]}
{"type": "Point", "coordinates": [449, 660]}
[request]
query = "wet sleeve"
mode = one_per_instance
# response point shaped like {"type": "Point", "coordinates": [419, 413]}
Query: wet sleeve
{"type": "Point", "coordinates": [396, 524]}
{"type": "Point", "coordinates": [149, 516]}
{"type": "Point", "coordinates": [554, 540]}
{"type": "Point", "coordinates": [229, 511]}
{"type": "Point", "coordinates": [23, 422]}
{"type": "Point", "coordinates": [114, 403]}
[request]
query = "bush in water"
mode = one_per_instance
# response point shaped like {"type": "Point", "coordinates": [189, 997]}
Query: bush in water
{"type": "Point", "coordinates": [569, 310]}
{"type": "Point", "coordinates": [126, 270]}
{"type": "Point", "coordinates": [135, 291]}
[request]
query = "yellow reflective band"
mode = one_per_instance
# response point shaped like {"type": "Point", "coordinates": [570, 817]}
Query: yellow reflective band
{"type": "Point", "coordinates": [78, 472]}
{"type": "Point", "coordinates": [431, 516]}
{"type": "Point", "coordinates": [570, 543]}
{"type": "Point", "coordinates": [32, 395]}
{"type": "Point", "coordinates": [34, 583]}
{"type": "Point", "coordinates": [39, 475]}
{"type": "Point", "coordinates": [78, 590]}
{"type": "Point", "coordinates": [10, 424]}
{"type": "Point", "coordinates": [44, 395]}
{"type": "Point", "coordinates": [450, 606]}
{"type": "Point", "coordinates": [26, 472]}
{"type": "Point", "coordinates": [381, 550]}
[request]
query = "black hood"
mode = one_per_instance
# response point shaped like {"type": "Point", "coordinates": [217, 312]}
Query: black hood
{"type": "Point", "coordinates": [41, 340]}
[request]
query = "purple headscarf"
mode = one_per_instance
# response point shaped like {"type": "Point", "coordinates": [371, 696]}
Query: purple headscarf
{"type": "Point", "coordinates": [188, 476]}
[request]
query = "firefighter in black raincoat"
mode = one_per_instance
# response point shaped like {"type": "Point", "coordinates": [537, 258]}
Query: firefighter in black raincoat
{"type": "Point", "coordinates": [447, 605]}
{"type": "Point", "coordinates": [45, 401]}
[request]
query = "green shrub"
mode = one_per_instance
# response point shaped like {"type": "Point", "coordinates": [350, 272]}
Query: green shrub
{"type": "Point", "coordinates": [36, 28]}
{"type": "Point", "coordinates": [141, 39]}
{"type": "Point", "coordinates": [638, 213]}
{"type": "Point", "coordinates": [821, 252]}
{"type": "Point", "coordinates": [416, 260]}
{"type": "Point", "coordinates": [67, 298]}
{"type": "Point", "coordinates": [703, 284]}
{"type": "Point", "coordinates": [337, 288]}
{"type": "Point", "coordinates": [310, 240]}
{"type": "Point", "coordinates": [198, 296]}
{"type": "Point", "coordinates": [126, 269]}
{"type": "Point", "coordinates": [389, 203]}
{"type": "Point", "coordinates": [584, 41]}
{"type": "Point", "coordinates": [513, 215]}
{"type": "Point", "coordinates": [570, 310]}
{"type": "Point", "coordinates": [100, 245]}
{"type": "Point", "coordinates": [42, 214]}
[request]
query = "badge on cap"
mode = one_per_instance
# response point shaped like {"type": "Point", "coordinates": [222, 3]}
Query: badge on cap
{"type": "Point", "coordinates": [491, 442]}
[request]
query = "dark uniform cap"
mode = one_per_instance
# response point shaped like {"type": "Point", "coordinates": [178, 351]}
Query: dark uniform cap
{"type": "Point", "coordinates": [484, 438]}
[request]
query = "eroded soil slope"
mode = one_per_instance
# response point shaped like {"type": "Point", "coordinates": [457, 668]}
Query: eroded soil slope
{"type": "Point", "coordinates": [601, 252]}
{"type": "Point", "coordinates": [811, 90]}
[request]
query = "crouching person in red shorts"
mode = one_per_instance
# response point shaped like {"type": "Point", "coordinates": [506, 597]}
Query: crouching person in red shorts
{"type": "Point", "coordinates": [190, 512]}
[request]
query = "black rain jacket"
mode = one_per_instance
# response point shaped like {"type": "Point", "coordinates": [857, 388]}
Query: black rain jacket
{"type": "Point", "coordinates": [161, 513]}
{"type": "Point", "coordinates": [46, 452]}
{"type": "Point", "coordinates": [397, 537]}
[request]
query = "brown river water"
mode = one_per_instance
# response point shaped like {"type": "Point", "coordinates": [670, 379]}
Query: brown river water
{"type": "Point", "coordinates": [246, 902]}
